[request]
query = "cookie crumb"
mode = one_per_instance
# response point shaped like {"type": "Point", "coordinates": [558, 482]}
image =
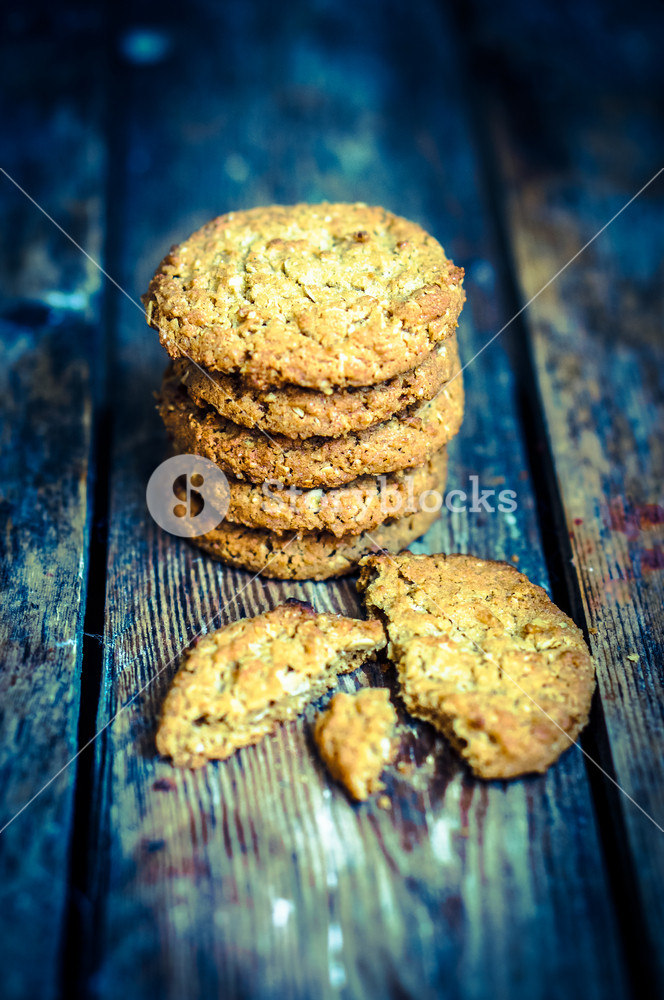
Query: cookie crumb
{"type": "Point", "coordinates": [355, 738]}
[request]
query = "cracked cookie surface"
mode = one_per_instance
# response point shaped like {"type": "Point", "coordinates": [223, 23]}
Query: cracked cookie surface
{"type": "Point", "coordinates": [315, 295]}
{"type": "Point", "coordinates": [484, 655]}
{"type": "Point", "coordinates": [355, 738]}
{"type": "Point", "coordinates": [399, 443]}
{"type": "Point", "coordinates": [239, 683]}
{"type": "Point", "coordinates": [301, 413]}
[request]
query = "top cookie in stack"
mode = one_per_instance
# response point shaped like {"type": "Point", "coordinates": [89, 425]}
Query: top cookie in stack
{"type": "Point", "coordinates": [306, 341]}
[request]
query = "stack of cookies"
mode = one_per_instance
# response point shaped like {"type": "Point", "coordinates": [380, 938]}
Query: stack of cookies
{"type": "Point", "coordinates": [315, 362]}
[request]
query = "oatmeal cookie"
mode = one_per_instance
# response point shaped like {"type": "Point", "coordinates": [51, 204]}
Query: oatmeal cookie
{"type": "Point", "coordinates": [314, 555]}
{"type": "Point", "coordinates": [484, 655]}
{"type": "Point", "coordinates": [301, 413]}
{"type": "Point", "coordinates": [360, 506]}
{"type": "Point", "coordinates": [399, 443]}
{"type": "Point", "coordinates": [238, 684]}
{"type": "Point", "coordinates": [355, 738]}
{"type": "Point", "coordinates": [315, 295]}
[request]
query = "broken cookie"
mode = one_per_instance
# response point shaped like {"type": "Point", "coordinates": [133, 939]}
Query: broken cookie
{"type": "Point", "coordinates": [237, 684]}
{"type": "Point", "coordinates": [484, 655]}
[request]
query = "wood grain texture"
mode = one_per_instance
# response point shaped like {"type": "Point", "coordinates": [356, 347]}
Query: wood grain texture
{"type": "Point", "coordinates": [47, 308]}
{"type": "Point", "coordinates": [597, 345]}
{"type": "Point", "coordinates": [256, 877]}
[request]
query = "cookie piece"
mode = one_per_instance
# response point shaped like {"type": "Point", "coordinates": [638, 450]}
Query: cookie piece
{"type": "Point", "coordinates": [483, 654]}
{"type": "Point", "coordinates": [315, 295]}
{"type": "Point", "coordinates": [348, 510]}
{"type": "Point", "coordinates": [302, 413]}
{"type": "Point", "coordinates": [396, 444]}
{"type": "Point", "coordinates": [309, 556]}
{"type": "Point", "coordinates": [355, 738]}
{"type": "Point", "coordinates": [237, 684]}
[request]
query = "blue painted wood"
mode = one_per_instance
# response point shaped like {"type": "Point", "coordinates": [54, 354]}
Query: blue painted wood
{"type": "Point", "coordinates": [256, 877]}
{"type": "Point", "coordinates": [52, 146]}
{"type": "Point", "coordinates": [590, 141]}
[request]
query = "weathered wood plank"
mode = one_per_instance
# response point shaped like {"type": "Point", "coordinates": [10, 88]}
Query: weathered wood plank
{"type": "Point", "coordinates": [50, 109]}
{"type": "Point", "coordinates": [596, 336]}
{"type": "Point", "coordinates": [257, 877]}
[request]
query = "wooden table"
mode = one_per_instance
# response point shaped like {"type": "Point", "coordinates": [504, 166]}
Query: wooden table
{"type": "Point", "coordinates": [513, 132]}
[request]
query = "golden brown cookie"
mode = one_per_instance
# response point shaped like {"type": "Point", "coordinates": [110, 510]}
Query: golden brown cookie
{"type": "Point", "coordinates": [300, 413]}
{"type": "Point", "coordinates": [355, 738]}
{"type": "Point", "coordinates": [314, 295]}
{"type": "Point", "coordinates": [396, 444]}
{"type": "Point", "coordinates": [237, 684]}
{"type": "Point", "coordinates": [311, 555]}
{"type": "Point", "coordinates": [360, 506]}
{"type": "Point", "coordinates": [483, 654]}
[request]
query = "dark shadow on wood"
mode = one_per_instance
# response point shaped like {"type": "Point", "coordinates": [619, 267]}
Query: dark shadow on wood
{"type": "Point", "coordinates": [81, 934]}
